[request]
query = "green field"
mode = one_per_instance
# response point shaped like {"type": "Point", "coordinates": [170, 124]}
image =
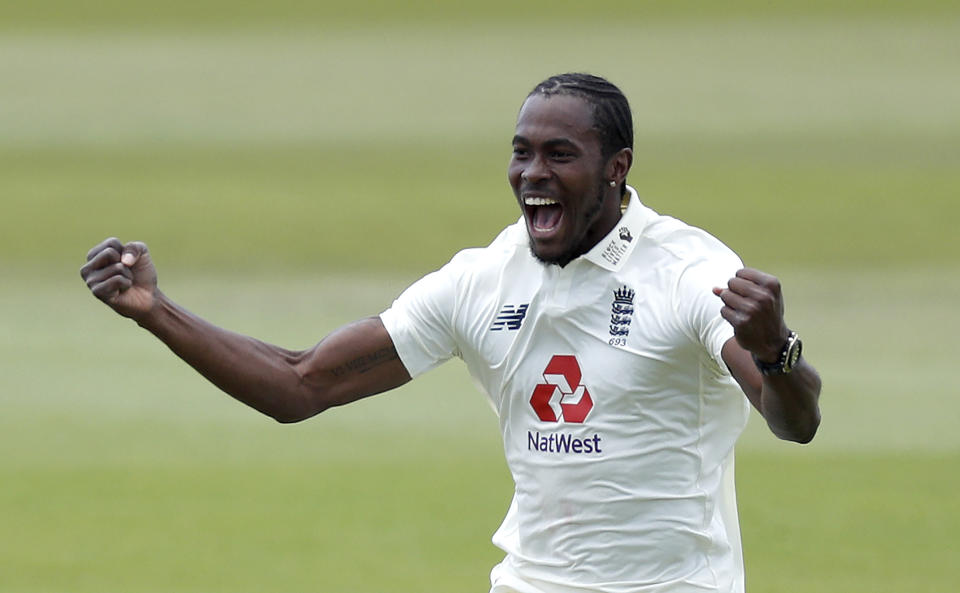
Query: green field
{"type": "Point", "coordinates": [293, 167]}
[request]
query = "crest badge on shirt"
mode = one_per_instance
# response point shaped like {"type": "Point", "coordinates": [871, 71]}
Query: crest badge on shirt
{"type": "Point", "coordinates": [621, 315]}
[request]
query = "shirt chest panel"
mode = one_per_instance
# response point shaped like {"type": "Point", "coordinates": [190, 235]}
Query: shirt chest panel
{"type": "Point", "coordinates": [576, 329]}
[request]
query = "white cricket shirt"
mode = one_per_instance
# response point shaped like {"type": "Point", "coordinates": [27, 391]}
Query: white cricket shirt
{"type": "Point", "coordinates": [618, 414]}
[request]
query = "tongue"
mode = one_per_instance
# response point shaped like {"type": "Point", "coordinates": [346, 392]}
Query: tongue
{"type": "Point", "coordinates": [547, 217]}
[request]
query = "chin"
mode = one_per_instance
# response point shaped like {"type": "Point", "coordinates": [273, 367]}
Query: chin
{"type": "Point", "coordinates": [550, 260]}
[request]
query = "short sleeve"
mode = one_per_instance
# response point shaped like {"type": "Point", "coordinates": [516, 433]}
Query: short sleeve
{"type": "Point", "coordinates": [700, 308]}
{"type": "Point", "coordinates": [420, 321]}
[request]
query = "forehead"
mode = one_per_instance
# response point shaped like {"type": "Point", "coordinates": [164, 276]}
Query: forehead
{"type": "Point", "coordinates": [556, 117]}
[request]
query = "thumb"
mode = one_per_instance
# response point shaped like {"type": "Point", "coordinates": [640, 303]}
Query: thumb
{"type": "Point", "coordinates": [132, 252]}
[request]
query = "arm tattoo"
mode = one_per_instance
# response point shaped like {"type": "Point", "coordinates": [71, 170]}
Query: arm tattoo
{"type": "Point", "coordinates": [367, 362]}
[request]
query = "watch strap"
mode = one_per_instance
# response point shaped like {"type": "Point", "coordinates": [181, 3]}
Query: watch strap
{"type": "Point", "coordinates": [789, 356]}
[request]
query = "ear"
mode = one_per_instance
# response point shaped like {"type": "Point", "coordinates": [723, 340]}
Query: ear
{"type": "Point", "coordinates": [619, 165]}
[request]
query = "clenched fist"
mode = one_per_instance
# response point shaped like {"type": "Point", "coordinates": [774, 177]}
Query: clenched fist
{"type": "Point", "coordinates": [753, 305]}
{"type": "Point", "coordinates": [122, 276]}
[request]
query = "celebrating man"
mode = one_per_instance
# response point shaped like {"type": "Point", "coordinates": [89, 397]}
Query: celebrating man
{"type": "Point", "coordinates": [619, 347]}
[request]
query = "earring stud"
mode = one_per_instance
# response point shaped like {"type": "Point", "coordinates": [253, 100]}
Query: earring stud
{"type": "Point", "coordinates": [613, 182]}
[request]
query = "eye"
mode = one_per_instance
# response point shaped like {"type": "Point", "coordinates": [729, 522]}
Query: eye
{"type": "Point", "coordinates": [560, 155]}
{"type": "Point", "coordinates": [519, 152]}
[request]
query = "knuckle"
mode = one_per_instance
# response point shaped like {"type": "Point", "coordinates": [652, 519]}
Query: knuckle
{"type": "Point", "coordinates": [765, 299]}
{"type": "Point", "coordinates": [105, 257]}
{"type": "Point", "coordinates": [102, 246]}
{"type": "Point", "coordinates": [732, 316]}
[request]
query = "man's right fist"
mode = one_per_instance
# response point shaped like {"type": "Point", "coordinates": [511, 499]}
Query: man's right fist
{"type": "Point", "coordinates": [122, 276]}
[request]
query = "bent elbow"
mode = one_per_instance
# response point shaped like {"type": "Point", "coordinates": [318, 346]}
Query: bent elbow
{"type": "Point", "coordinates": [801, 433]}
{"type": "Point", "coordinates": [297, 408]}
{"type": "Point", "coordinates": [804, 438]}
{"type": "Point", "coordinates": [288, 418]}
{"type": "Point", "coordinates": [299, 400]}
{"type": "Point", "coordinates": [293, 416]}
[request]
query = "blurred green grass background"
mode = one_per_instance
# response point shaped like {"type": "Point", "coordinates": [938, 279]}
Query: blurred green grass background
{"type": "Point", "coordinates": [294, 165]}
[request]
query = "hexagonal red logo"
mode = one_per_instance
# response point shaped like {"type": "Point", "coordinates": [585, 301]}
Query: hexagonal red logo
{"type": "Point", "coordinates": [561, 397]}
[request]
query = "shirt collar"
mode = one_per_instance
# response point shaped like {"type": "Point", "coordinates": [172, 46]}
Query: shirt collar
{"type": "Point", "coordinates": [611, 251]}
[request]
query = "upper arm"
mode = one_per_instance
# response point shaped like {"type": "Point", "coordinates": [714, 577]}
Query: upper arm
{"type": "Point", "coordinates": [740, 363]}
{"type": "Point", "coordinates": [363, 358]}
{"type": "Point", "coordinates": [353, 362]}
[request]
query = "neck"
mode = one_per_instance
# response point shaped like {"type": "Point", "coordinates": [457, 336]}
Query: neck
{"type": "Point", "coordinates": [610, 212]}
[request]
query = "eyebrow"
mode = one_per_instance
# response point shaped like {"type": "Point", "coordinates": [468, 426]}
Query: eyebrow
{"type": "Point", "coordinates": [551, 142]}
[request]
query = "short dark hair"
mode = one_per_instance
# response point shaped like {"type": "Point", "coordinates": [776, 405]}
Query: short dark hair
{"type": "Point", "coordinates": [611, 111]}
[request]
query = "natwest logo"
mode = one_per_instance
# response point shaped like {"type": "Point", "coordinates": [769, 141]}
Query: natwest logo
{"type": "Point", "coordinates": [561, 397]}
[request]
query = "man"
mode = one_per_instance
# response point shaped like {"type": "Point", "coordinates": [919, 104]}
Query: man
{"type": "Point", "coordinates": [616, 345]}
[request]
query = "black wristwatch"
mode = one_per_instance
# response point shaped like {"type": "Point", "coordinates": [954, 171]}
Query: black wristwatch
{"type": "Point", "coordinates": [789, 357]}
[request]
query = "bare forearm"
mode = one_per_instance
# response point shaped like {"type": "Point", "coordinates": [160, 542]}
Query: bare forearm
{"type": "Point", "coordinates": [790, 403]}
{"type": "Point", "coordinates": [260, 375]}
{"type": "Point", "coordinates": [786, 395]}
{"type": "Point", "coordinates": [357, 360]}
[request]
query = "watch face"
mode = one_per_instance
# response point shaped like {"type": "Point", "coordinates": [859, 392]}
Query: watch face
{"type": "Point", "coordinates": [794, 354]}
{"type": "Point", "coordinates": [788, 358]}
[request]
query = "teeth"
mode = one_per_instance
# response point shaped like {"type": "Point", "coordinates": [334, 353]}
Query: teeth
{"type": "Point", "coordinates": [531, 201]}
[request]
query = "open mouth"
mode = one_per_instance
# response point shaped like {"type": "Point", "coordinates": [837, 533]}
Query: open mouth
{"type": "Point", "coordinates": [543, 214]}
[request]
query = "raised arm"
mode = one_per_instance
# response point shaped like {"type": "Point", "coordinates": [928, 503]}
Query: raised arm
{"type": "Point", "coordinates": [789, 402]}
{"type": "Point", "coordinates": [353, 362]}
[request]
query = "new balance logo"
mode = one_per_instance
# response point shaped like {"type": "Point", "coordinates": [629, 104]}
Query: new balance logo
{"type": "Point", "coordinates": [509, 318]}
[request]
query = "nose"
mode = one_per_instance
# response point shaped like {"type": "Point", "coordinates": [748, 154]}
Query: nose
{"type": "Point", "coordinates": [535, 171]}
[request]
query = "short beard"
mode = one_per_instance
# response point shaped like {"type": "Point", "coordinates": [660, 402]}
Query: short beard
{"type": "Point", "coordinates": [575, 250]}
